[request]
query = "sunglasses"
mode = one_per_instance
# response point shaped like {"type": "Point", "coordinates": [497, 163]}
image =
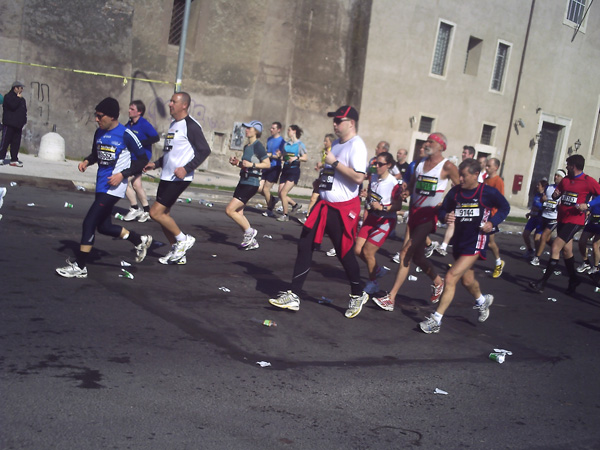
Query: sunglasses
{"type": "Point", "coordinates": [338, 120]}
{"type": "Point", "coordinates": [380, 164]}
{"type": "Point", "coordinates": [99, 115]}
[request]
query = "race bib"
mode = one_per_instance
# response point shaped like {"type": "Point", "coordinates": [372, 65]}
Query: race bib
{"type": "Point", "coordinates": [169, 142]}
{"type": "Point", "coordinates": [569, 198]}
{"type": "Point", "coordinates": [107, 154]}
{"type": "Point", "coordinates": [326, 178]}
{"type": "Point", "coordinates": [426, 186]}
{"type": "Point", "coordinates": [550, 205]}
{"type": "Point", "coordinates": [466, 210]}
{"type": "Point", "coordinates": [372, 198]}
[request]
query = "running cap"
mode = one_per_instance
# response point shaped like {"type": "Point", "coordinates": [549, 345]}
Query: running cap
{"type": "Point", "coordinates": [439, 138]}
{"type": "Point", "coordinates": [345, 111]}
{"type": "Point", "coordinates": [561, 172]}
{"type": "Point", "coordinates": [254, 124]}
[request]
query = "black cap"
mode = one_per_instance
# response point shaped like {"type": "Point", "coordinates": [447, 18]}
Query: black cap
{"type": "Point", "coordinates": [109, 106]}
{"type": "Point", "coordinates": [345, 111]}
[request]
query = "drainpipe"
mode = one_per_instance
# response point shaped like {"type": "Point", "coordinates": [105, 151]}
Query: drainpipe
{"type": "Point", "coordinates": [181, 58]}
{"type": "Point", "coordinates": [514, 106]}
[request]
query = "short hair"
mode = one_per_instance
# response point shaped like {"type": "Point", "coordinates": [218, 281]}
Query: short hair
{"type": "Point", "coordinates": [386, 145]}
{"type": "Point", "coordinates": [576, 160]}
{"type": "Point", "coordinates": [330, 136]}
{"type": "Point", "coordinates": [278, 125]}
{"type": "Point", "coordinates": [139, 106]}
{"type": "Point", "coordinates": [297, 130]}
{"type": "Point", "coordinates": [402, 150]}
{"type": "Point", "coordinates": [389, 159]}
{"type": "Point", "coordinates": [472, 166]}
{"type": "Point", "coordinates": [187, 100]}
{"type": "Point", "coordinates": [544, 183]}
{"type": "Point", "coordinates": [470, 150]}
{"type": "Point", "coordinates": [496, 161]}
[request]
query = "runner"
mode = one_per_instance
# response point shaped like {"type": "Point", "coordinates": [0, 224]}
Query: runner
{"type": "Point", "coordinates": [469, 206]}
{"type": "Point", "coordinates": [294, 154]}
{"type": "Point", "coordinates": [534, 221]}
{"type": "Point", "coordinates": [270, 176]}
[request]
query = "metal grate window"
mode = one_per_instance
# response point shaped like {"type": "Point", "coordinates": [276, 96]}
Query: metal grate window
{"type": "Point", "coordinates": [575, 11]}
{"type": "Point", "coordinates": [426, 124]}
{"type": "Point", "coordinates": [500, 66]}
{"type": "Point", "coordinates": [441, 49]}
{"type": "Point", "coordinates": [176, 22]}
{"type": "Point", "coordinates": [487, 134]}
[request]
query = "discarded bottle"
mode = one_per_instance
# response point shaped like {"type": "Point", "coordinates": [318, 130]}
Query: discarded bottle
{"type": "Point", "coordinates": [119, 216]}
{"type": "Point", "coordinates": [205, 203]}
{"type": "Point", "coordinates": [498, 357]}
{"type": "Point", "coordinates": [269, 323]}
{"type": "Point", "coordinates": [419, 269]}
{"type": "Point", "coordinates": [126, 274]}
{"type": "Point", "coordinates": [68, 205]}
{"type": "Point", "coordinates": [412, 278]}
{"type": "Point", "coordinates": [188, 200]}
{"type": "Point", "coordinates": [80, 188]}
{"type": "Point", "coordinates": [13, 183]}
{"type": "Point", "coordinates": [325, 300]}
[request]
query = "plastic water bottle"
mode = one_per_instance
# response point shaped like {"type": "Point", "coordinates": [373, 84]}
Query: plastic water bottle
{"type": "Point", "coordinates": [68, 205]}
{"type": "Point", "coordinates": [119, 216]}
{"type": "Point", "coordinates": [205, 203]}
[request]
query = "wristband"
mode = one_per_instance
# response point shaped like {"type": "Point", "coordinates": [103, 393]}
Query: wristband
{"type": "Point", "coordinates": [335, 164]}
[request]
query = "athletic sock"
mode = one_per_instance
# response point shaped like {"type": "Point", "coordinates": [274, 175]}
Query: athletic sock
{"type": "Point", "coordinates": [437, 317]}
{"type": "Point", "coordinates": [134, 206]}
{"type": "Point", "coordinates": [444, 246]}
{"type": "Point", "coordinates": [570, 265]}
{"type": "Point", "coordinates": [180, 237]}
{"type": "Point", "coordinates": [147, 208]}
{"type": "Point", "coordinates": [134, 238]}
{"type": "Point", "coordinates": [480, 300]}
{"type": "Point", "coordinates": [549, 269]}
{"type": "Point", "coordinates": [81, 259]}
{"type": "Point", "coordinates": [499, 261]}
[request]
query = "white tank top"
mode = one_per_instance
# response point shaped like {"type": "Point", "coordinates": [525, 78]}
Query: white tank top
{"type": "Point", "coordinates": [429, 188]}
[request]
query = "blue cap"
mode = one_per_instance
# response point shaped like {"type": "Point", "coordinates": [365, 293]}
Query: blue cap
{"type": "Point", "coordinates": [254, 124]}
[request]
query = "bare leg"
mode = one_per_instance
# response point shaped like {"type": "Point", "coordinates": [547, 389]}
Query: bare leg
{"type": "Point", "coordinates": [461, 270]}
{"type": "Point", "coordinates": [235, 210]}
{"type": "Point", "coordinates": [162, 215]}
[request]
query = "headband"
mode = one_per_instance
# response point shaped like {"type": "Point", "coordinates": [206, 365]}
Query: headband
{"type": "Point", "coordinates": [437, 138]}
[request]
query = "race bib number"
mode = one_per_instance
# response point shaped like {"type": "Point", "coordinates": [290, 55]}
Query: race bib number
{"type": "Point", "coordinates": [466, 211]}
{"type": "Point", "coordinates": [550, 205]}
{"type": "Point", "coordinates": [107, 154]}
{"type": "Point", "coordinates": [169, 142]}
{"type": "Point", "coordinates": [326, 178]}
{"type": "Point", "coordinates": [372, 198]}
{"type": "Point", "coordinates": [569, 198]}
{"type": "Point", "coordinates": [426, 185]}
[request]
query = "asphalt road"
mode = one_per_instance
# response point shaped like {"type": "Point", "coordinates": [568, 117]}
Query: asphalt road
{"type": "Point", "coordinates": [168, 360]}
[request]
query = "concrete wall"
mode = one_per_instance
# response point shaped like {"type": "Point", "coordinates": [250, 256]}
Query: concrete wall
{"type": "Point", "coordinates": [558, 76]}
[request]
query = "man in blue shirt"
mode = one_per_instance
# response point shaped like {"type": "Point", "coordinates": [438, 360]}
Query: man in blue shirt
{"type": "Point", "coordinates": [270, 176]}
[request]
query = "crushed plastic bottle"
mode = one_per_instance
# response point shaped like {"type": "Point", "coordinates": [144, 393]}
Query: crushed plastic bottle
{"type": "Point", "coordinates": [412, 278]}
{"type": "Point", "coordinates": [325, 300]}
{"type": "Point", "coordinates": [80, 188]}
{"type": "Point", "coordinates": [551, 299]}
{"type": "Point", "coordinates": [119, 216]}
{"type": "Point", "coordinates": [266, 322]}
{"type": "Point", "coordinates": [419, 270]}
{"type": "Point", "coordinates": [68, 205]}
{"type": "Point", "coordinates": [30, 204]}
{"type": "Point", "coordinates": [126, 274]}
{"type": "Point", "coordinates": [205, 203]}
{"type": "Point", "coordinates": [522, 247]}
{"type": "Point", "coordinates": [13, 183]}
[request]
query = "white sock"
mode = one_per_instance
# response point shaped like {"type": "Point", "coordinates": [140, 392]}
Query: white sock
{"type": "Point", "coordinates": [125, 237]}
{"type": "Point", "coordinates": [249, 230]}
{"type": "Point", "coordinates": [180, 237]}
{"type": "Point", "coordinates": [498, 261]}
{"type": "Point", "coordinates": [437, 317]}
{"type": "Point", "coordinates": [444, 246]}
{"type": "Point", "coordinates": [480, 300]}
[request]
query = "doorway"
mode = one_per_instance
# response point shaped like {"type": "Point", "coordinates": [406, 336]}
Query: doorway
{"type": "Point", "coordinates": [548, 148]}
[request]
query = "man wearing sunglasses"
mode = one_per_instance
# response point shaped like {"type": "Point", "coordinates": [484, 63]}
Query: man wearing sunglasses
{"type": "Point", "coordinates": [336, 212]}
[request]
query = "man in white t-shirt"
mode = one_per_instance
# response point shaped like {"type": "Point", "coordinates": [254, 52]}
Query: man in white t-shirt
{"type": "Point", "coordinates": [336, 212]}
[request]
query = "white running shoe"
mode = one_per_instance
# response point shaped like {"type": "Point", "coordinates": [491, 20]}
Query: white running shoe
{"type": "Point", "coordinates": [167, 258]}
{"type": "Point", "coordinates": [72, 270]}
{"type": "Point", "coordinates": [331, 252]}
{"type": "Point", "coordinates": [144, 217]}
{"type": "Point", "coordinates": [535, 261]}
{"type": "Point", "coordinates": [142, 249]}
{"type": "Point", "coordinates": [248, 237]}
{"type": "Point", "coordinates": [484, 308]}
{"type": "Point", "coordinates": [181, 247]}
{"type": "Point", "coordinates": [396, 258]}
{"type": "Point", "coordinates": [2, 194]}
{"type": "Point", "coordinates": [356, 304]}
{"type": "Point", "coordinates": [429, 249]}
{"type": "Point", "coordinates": [252, 246]}
{"type": "Point", "coordinates": [372, 287]}
{"type": "Point", "coordinates": [133, 214]}
{"type": "Point", "coordinates": [286, 300]}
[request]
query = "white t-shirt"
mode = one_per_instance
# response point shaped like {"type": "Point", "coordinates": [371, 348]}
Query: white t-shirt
{"type": "Point", "coordinates": [178, 150]}
{"type": "Point", "coordinates": [353, 154]}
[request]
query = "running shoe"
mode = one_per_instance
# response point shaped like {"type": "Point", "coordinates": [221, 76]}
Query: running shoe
{"type": "Point", "coordinates": [441, 251]}
{"type": "Point", "coordinates": [331, 252]}
{"type": "Point", "coordinates": [381, 271]}
{"type": "Point", "coordinates": [142, 249]}
{"type": "Point", "coordinates": [498, 270]}
{"type": "Point", "coordinates": [429, 249]}
{"type": "Point", "coordinates": [372, 287]}
{"type": "Point", "coordinates": [429, 325]}
{"type": "Point", "coordinates": [133, 214]}
{"type": "Point", "coordinates": [484, 308]}
{"type": "Point", "coordinates": [144, 217]}
{"type": "Point", "coordinates": [286, 300]}
{"type": "Point", "coordinates": [72, 270]}
{"type": "Point", "coordinates": [16, 163]}
{"type": "Point", "coordinates": [436, 292]}
{"type": "Point", "coordinates": [396, 258]}
{"type": "Point", "coordinates": [585, 266]}
{"type": "Point", "coordinates": [2, 194]}
{"type": "Point", "coordinates": [252, 246]}
{"type": "Point", "coordinates": [384, 302]}
{"type": "Point", "coordinates": [181, 247]}
{"type": "Point", "coordinates": [302, 220]}
{"type": "Point", "coordinates": [167, 258]}
{"type": "Point", "coordinates": [268, 213]}
{"type": "Point", "coordinates": [248, 237]}
{"type": "Point", "coordinates": [356, 304]}
{"type": "Point", "coordinates": [284, 218]}
{"type": "Point", "coordinates": [296, 207]}
{"type": "Point", "coordinates": [535, 261]}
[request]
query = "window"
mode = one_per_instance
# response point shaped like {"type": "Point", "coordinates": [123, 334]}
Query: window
{"type": "Point", "coordinates": [473, 55]}
{"type": "Point", "coordinates": [488, 133]}
{"type": "Point", "coordinates": [575, 10]}
{"type": "Point", "coordinates": [176, 22]}
{"type": "Point", "coordinates": [442, 46]}
{"type": "Point", "coordinates": [426, 124]}
{"type": "Point", "coordinates": [502, 54]}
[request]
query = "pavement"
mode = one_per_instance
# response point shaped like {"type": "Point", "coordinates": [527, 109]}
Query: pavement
{"type": "Point", "coordinates": [36, 167]}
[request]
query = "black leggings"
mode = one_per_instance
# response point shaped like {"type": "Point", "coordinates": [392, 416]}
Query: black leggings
{"type": "Point", "coordinates": [98, 217]}
{"type": "Point", "coordinates": [335, 229]}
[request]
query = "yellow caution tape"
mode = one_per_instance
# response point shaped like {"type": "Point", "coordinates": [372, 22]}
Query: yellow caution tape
{"type": "Point", "coordinates": [86, 72]}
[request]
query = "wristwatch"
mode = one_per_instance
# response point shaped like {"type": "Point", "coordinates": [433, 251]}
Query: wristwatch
{"type": "Point", "coordinates": [335, 164]}
{"type": "Point", "coordinates": [254, 165]}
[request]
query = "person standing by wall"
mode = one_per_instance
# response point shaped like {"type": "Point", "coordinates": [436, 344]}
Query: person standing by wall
{"type": "Point", "coordinates": [254, 158]}
{"type": "Point", "coordinates": [14, 119]}
{"type": "Point", "coordinates": [147, 135]}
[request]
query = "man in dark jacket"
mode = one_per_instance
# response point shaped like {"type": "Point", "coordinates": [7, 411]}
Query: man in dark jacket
{"type": "Point", "coordinates": [13, 121]}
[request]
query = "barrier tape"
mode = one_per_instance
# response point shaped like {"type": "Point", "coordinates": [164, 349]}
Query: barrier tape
{"type": "Point", "coordinates": [86, 72]}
